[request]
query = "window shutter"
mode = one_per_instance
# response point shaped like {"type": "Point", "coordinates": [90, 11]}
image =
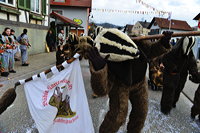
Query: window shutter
{"type": "Point", "coordinates": [27, 4]}
{"type": "Point", "coordinates": [44, 5]}
{"type": "Point", "coordinates": [21, 4]}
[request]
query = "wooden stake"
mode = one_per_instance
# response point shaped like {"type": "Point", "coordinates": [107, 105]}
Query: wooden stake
{"type": "Point", "coordinates": [47, 71]}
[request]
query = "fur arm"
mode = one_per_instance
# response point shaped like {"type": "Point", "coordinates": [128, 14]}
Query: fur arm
{"type": "Point", "coordinates": [192, 65]}
{"type": "Point", "coordinates": [99, 81]}
{"type": "Point", "coordinates": [168, 62]}
{"type": "Point", "coordinates": [153, 49]}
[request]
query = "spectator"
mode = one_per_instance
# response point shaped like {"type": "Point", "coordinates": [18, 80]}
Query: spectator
{"type": "Point", "coordinates": [61, 37]}
{"type": "Point", "coordinates": [8, 56]}
{"type": "Point", "coordinates": [173, 42]}
{"type": "Point", "coordinates": [16, 51]}
{"type": "Point", "coordinates": [24, 45]}
{"type": "Point", "coordinates": [50, 40]}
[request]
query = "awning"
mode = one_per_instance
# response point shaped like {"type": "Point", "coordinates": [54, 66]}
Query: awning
{"type": "Point", "coordinates": [65, 20]}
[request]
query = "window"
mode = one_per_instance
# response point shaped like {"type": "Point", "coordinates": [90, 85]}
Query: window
{"type": "Point", "coordinates": [35, 6]}
{"type": "Point", "coordinates": [44, 7]}
{"type": "Point", "coordinates": [9, 2]}
{"type": "Point", "coordinates": [24, 4]}
{"type": "Point", "coordinates": [59, 0]}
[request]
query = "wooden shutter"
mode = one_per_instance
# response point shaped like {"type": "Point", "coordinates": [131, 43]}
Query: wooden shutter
{"type": "Point", "coordinates": [44, 5]}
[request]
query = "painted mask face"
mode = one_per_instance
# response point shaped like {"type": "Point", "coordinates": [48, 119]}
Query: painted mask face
{"type": "Point", "coordinates": [188, 43]}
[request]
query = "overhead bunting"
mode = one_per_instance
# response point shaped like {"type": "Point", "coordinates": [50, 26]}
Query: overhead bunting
{"type": "Point", "coordinates": [126, 11]}
{"type": "Point", "coordinates": [153, 10]}
{"type": "Point", "coordinates": [151, 7]}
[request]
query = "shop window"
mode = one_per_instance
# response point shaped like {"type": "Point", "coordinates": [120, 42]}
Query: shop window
{"type": "Point", "coordinates": [59, 0]}
{"type": "Point", "coordinates": [35, 6]}
{"type": "Point", "coordinates": [9, 2]}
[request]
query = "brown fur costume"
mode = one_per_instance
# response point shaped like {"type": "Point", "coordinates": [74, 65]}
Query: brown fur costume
{"type": "Point", "coordinates": [178, 65]}
{"type": "Point", "coordinates": [195, 110]}
{"type": "Point", "coordinates": [124, 81]}
{"type": "Point", "coordinates": [155, 74]}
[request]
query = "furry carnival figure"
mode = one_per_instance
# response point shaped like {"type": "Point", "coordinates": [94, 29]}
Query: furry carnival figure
{"type": "Point", "coordinates": [121, 76]}
{"type": "Point", "coordinates": [195, 110]}
{"type": "Point", "coordinates": [177, 64]}
{"type": "Point", "coordinates": [156, 74]}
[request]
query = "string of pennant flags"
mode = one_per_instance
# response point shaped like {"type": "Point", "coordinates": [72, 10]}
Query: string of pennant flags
{"type": "Point", "coordinates": [153, 10]}
{"type": "Point", "coordinates": [129, 11]}
{"type": "Point", "coordinates": [151, 7]}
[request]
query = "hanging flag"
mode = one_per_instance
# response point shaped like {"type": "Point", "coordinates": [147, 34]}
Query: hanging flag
{"type": "Point", "coordinates": [169, 16]}
{"type": "Point", "coordinates": [59, 104]}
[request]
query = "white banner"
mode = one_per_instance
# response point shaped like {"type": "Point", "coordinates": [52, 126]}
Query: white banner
{"type": "Point", "coordinates": [59, 104]}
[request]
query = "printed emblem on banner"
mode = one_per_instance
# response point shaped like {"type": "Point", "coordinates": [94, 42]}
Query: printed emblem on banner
{"type": "Point", "coordinates": [61, 100]}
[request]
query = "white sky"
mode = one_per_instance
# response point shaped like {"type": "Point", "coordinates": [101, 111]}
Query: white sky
{"type": "Point", "coordinates": [181, 10]}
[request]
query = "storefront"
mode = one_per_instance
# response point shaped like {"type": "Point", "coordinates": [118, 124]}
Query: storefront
{"type": "Point", "coordinates": [62, 22]}
{"type": "Point", "coordinates": [76, 11]}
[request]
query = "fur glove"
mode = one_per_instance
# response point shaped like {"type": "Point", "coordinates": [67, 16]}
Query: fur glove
{"type": "Point", "coordinates": [195, 78]}
{"type": "Point", "coordinates": [97, 61]}
{"type": "Point", "coordinates": [166, 39]}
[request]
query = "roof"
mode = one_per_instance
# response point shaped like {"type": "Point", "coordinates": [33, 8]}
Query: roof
{"type": "Point", "coordinates": [144, 24]}
{"type": "Point", "coordinates": [128, 28]}
{"type": "Point", "coordinates": [65, 19]}
{"type": "Point", "coordinates": [175, 24]}
{"type": "Point", "coordinates": [197, 17]}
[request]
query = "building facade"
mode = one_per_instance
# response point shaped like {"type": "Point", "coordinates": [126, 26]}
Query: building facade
{"type": "Point", "coordinates": [140, 28]}
{"type": "Point", "coordinates": [29, 14]}
{"type": "Point", "coordinates": [158, 25]}
{"type": "Point", "coordinates": [76, 10]}
{"type": "Point", "coordinates": [197, 18]}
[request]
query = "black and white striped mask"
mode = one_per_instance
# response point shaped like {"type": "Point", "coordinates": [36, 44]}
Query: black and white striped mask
{"type": "Point", "coordinates": [117, 44]}
{"type": "Point", "coordinates": [188, 43]}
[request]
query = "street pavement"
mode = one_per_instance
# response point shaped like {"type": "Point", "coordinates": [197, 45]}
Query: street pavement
{"type": "Point", "coordinates": [17, 119]}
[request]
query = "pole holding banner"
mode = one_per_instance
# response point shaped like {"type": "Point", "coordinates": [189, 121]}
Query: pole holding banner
{"type": "Point", "coordinates": [9, 96]}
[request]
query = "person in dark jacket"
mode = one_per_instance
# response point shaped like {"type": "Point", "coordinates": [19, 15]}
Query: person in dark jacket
{"type": "Point", "coordinates": [63, 53]}
{"type": "Point", "coordinates": [50, 41]}
{"type": "Point", "coordinates": [177, 64]}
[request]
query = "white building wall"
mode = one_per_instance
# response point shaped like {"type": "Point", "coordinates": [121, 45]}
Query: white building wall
{"type": "Point", "coordinates": [155, 27]}
{"type": "Point", "coordinates": [22, 17]}
{"type": "Point", "coordinates": [3, 15]}
{"type": "Point", "coordinates": [13, 17]}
